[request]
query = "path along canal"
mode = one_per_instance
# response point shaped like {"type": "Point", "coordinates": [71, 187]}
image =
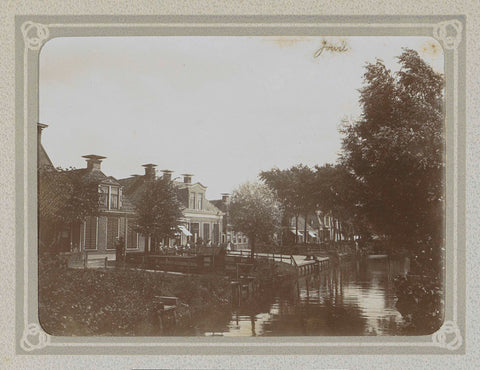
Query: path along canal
{"type": "Point", "coordinates": [354, 298]}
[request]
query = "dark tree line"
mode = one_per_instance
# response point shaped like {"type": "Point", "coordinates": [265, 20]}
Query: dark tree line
{"type": "Point", "coordinates": [389, 179]}
{"type": "Point", "coordinates": [395, 151]}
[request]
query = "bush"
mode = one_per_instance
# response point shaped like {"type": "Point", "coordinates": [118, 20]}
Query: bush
{"type": "Point", "coordinates": [115, 301]}
{"type": "Point", "coordinates": [420, 301]}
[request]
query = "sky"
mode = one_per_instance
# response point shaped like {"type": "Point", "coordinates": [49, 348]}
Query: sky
{"type": "Point", "coordinates": [222, 108]}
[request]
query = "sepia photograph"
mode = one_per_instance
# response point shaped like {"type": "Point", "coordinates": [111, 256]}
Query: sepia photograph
{"type": "Point", "coordinates": [241, 186]}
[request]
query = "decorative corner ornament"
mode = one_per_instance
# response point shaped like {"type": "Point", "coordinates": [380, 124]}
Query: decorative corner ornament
{"type": "Point", "coordinates": [448, 336]}
{"type": "Point", "coordinates": [449, 33]}
{"type": "Point", "coordinates": [34, 34]}
{"type": "Point", "coordinates": [34, 338]}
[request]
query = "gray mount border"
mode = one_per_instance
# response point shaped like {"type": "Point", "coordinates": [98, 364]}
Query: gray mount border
{"type": "Point", "coordinates": [32, 32]}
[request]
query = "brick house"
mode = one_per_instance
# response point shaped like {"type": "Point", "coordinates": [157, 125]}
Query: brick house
{"type": "Point", "coordinates": [97, 234]}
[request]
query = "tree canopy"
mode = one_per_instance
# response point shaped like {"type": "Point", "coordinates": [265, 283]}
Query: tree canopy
{"type": "Point", "coordinates": [159, 210]}
{"type": "Point", "coordinates": [395, 150]}
{"type": "Point", "coordinates": [64, 199]}
{"type": "Point", "coordinates": [295, 187]}
{"type": "Point", "coordinates": [255, 211]}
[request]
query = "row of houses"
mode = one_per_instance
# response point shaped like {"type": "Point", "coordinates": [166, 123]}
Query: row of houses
{"type": "Point", "coordinates": [203, 220]}
{"type": "Point", "coordinates": [320, 227]}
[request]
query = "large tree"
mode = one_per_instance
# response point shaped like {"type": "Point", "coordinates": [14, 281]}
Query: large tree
{"type": "Point", "coordinates": [283, 183]}
{"type": "Point", "coordinates": [255, 211]}
{"type": "Point", "coordinates": [294, 187]}
{"type": "Point", "coordinates": [159, 211]}
{"type": "Point", "coordinates": [395, 151]}
{"type": "Point", "coordinates": [65, 199]}
{"type": "Point", "coordinates": [304, 182]}
{"type": "Point", "coordinates": [334, 195]}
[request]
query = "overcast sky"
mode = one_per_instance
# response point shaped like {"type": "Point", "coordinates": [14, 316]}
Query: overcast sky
{"type": "Point", "coordinates": [222, 108]}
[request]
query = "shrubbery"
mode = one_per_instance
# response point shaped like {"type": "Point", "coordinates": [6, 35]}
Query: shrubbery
{"type": "Point", "coordinates": [118, 301]}
{"type": "Point", "coordinates": [420, 301]}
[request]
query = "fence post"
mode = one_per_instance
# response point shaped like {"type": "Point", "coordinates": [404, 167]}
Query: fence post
{"type": "Point", "coordinates": [106, 259]}
{"type": "Point", "coordinates": [85, 260]}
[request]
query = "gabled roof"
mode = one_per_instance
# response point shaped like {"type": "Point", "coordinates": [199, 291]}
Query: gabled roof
{"type": "Point", "coordinates": [95, 176]}
{"type": "Point", "coordinates": [182, 185]}
{"type": "Point", "coordinates": [127, 204]}
{"type": "Point", "coordinates": [128, 182]}
{"type": "Point", "coordinates": [208, 206]}
{"type": "Point", "coordinates": [134, 187]}
{"type": "Point", "coordinates": [102, 179]}
{"type": "Point", "coordinates": [220, 204]}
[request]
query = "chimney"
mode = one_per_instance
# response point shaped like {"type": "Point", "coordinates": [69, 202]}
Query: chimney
{"type": "Point", "coordinates": [150, 171]}
{"type": "Point", "coordinates": [226, 198]}
{"type": "Point", "coordinates": [94, 162]}
{"type": "Point", "coordinates": [187, 178]}
{"type": "Point", "coordinates": [40, 127]}
{"type": "Point", "coordinates": [167, 174]}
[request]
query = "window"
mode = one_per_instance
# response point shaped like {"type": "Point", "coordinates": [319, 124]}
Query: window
{"type": "Point", "coordinates": [114, 195]}
{"type": "Point", "coordinates": [206, 232]}
{"type": "Point", "coordinates": [103, 190]}
{"type": "Point", "coordinates": [195, 230]}
{"type": "Point", "coordinates": [112, 232]}
{"type": "Point", "coordinates": [91, 233]}
{"type": "Point", "coordinates": [192, 201]}
{"type": "Point", "coordinates": [199, 201]}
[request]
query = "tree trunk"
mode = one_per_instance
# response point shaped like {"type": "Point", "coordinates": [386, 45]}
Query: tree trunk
{"type": "Point", "coordinates": [296, 229]}
{"type": "Point", "coordinates": [305, 230]}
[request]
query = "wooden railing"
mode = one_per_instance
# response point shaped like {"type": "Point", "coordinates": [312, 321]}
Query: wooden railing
{"type": "Point", "coordinates": [270, 256]}
{"type": "Point", "coordinates": [312, 266]}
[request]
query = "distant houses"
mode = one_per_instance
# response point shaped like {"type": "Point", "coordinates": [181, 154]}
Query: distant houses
{"type": "Point", "coordinates": [321, 228]}
{"type": "Point", "coordinates": [99, 233]}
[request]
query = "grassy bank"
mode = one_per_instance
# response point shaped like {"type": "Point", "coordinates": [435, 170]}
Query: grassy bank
{"type": "Point", "coordinates": [121, 302]}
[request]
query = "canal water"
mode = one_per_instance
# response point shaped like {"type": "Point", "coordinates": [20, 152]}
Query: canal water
{"type": "Point", "coordinates": [355, 298]}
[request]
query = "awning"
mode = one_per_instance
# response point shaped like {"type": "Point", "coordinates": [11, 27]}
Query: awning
{"type": "Point", "coordinates": [312, 234]}
{"type": "Point", "coordinates": [184, 230]}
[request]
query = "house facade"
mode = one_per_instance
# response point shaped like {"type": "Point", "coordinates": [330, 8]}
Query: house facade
{"type": "Point", "coordinates": [202, 219]}
{"type": "Point", "coordinates": [201, 222]}
{"type": "Point", "coordinates": [99, 234]}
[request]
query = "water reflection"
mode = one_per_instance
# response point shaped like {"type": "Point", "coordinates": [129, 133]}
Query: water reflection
{"type": "Point", "coordinates": [356, 298]}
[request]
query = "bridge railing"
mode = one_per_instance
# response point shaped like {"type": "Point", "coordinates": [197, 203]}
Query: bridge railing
{"type": "Point", "coordinates": [270, 256]}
